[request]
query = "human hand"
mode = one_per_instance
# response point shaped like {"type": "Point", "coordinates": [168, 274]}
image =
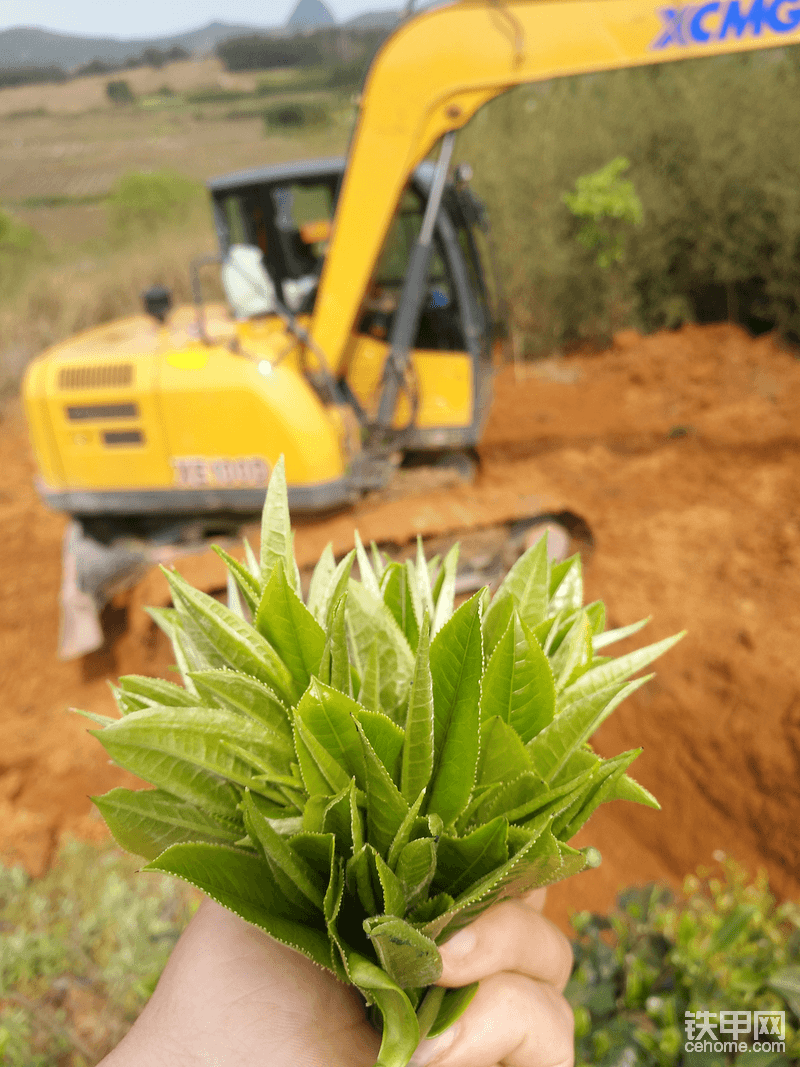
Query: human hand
{"type": "Point", "coordinates": [230, 995]}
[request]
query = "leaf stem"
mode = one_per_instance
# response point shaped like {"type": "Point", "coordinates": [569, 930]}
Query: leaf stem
{"type": "Point", "coordinates": [429, 1009]}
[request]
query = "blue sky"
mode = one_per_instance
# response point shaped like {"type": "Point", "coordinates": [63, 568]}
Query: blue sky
{"type": "Point", "coordinates": [153, 18]}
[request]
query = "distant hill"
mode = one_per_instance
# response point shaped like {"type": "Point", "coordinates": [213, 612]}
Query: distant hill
{"type": "Point", "coordinates": [309, 15]}
{"type": "Point", "coordinates": [374, 20]}
{"type": "Point", "coordinates": [28, 46]}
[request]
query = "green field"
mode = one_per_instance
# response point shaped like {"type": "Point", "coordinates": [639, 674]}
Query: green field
{"type": "Point", "coordinates": [63, 151]}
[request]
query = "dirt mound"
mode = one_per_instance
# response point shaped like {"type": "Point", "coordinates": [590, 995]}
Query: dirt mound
{"type": "Point", "coordinates": [680, 451]}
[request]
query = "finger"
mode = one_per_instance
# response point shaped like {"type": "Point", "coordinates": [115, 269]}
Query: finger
{"type": "Point", "coordinates": [508, 937]}
{"type": "Point", "coordinates": [535, 899]}
{"type": "Point", "coordinates": [513, 1021]}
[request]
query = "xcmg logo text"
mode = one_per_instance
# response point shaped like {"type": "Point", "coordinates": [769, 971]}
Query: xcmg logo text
{"type": "Point", "coordinates": [722, 20]}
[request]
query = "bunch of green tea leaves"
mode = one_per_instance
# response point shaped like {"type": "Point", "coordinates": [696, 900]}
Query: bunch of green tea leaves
{"type": "Point", "coordinates": [362, 774]}
{"type": "Point", "coordinates": [724, 946]}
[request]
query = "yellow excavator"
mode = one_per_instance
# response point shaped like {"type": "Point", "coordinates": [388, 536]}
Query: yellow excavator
{"type": "Point", "coordinates": [360, 324]}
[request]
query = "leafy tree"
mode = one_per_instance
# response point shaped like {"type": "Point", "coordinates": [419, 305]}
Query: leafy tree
{"type": "Point", "coordinates": [608, 203]}
{"type": "Point", "coordinates": [119, 92]}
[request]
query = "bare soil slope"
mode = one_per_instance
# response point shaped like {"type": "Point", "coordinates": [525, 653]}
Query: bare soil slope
{"type": "Point", "coordinates": [679, 450]}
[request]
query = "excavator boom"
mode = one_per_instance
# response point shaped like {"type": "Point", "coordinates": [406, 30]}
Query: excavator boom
{"type": "Point", "coordinates": [439, 69]}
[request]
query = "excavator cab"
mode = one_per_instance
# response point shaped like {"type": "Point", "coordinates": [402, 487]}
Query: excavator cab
{"type": "Point", "coordinates": [286, 212]}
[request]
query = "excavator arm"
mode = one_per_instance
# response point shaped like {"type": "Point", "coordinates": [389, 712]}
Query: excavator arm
{"type": "Point", "coordinates": [440, 68]}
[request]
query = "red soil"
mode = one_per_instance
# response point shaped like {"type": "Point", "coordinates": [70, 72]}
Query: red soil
{"type": "Point", "coordinates": [680, 451]}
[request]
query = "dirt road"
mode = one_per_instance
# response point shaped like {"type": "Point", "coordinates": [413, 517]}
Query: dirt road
{"type": "Point", "coordinates": [680, 451]}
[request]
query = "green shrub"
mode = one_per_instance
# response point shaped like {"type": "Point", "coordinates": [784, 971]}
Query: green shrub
{"type": "Point", "coordinates": [119, 92]}
{"type": "Point", "coordinates": [725, 946]}
{"type": "Point", "coordinates": [140, 204]}
{"type": "Point", "coordinates": [215, 95]}
{"type": "Point", "coordinates": [294, 115]}
{"type": "Point", "coordinates": [21, 248]}
{"type": "Point", "coordinates": [86, 942]}
{"type": "Point", "coordinates": [714, 147]}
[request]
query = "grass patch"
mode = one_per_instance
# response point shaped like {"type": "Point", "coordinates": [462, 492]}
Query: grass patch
{"type": "Point", "coordinates": [83, 948]}
{"type": "Point", "coordinates": [28, 113]}
{"type": "Point", "coordinates": [146, 203]}
{"type": "Point", "coordinates": [215, 95]}
{"type": "Point", "coordinates": [60, 201]}
{"type": "Point", "coordinates": [87, 288]}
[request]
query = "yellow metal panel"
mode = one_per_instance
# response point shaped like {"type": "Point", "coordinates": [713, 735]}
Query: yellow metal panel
{"type": "Point", "coordinates": [93, 454]}
{"type": "Point", "coordinates": [235, 406]}
{"type": "Point", "coordinates": [34, 392]}
{"type": "Point", "coordinates": [444, 382]}
{"type": "Point", "coordinates": [437, 70]}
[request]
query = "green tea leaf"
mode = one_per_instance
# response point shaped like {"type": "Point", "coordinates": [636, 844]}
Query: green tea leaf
{"type": "Point", "coordinates": [253, 566]}
{"type": "Point", "coordinates": [336, 588]}
{"type": "Point", "coordinates": [358, 878]}
{"type": "Point", "coordinates": [502, 754]}
{"type": "Point", "coordinates": [386, 737]}
{"type": "Point", "coordinates": [245, 695]}
{"type": "Point", "coordinates": [566, 585]}
{"type": "Point", "coordinates": [386, 807]}
{"type": "Point", "coordinates": [574, 655]}
{"type": "Point", "coordinates": [456, 668]}
{"type": "Point", "coordinates": [290, 628]}
{"type": "Point", "coordinates": [328, 715]}
{"type": "Point", "coordinates": [243, 883]}
{"type": "Point", "coordinates": [238, 645]}
{"type": "Point", "coordinates": [618, 670]}
{"type": "Point", "coordinates": [407, 827]}
{"type": "Point", "coordinates": [518, 684]}
{"type": "Point", "coordinates": [371, 621]}
{"type": "Point", "coordinates": [536, 864]}
{"type": "Point", "coordinates": [461, 861]}
{"type": "Point", "coordinates": [424, 581]}
{"type": "Point", "coordinates": [400, 1027]}
{"type": "Point", "coordinates": [322, 775]}
{"type": "Point", "coordinates": [293, 875]}
{"type": "Point", "coordinates": [368, 579]}
{"type": "Point", "coordinates": [526, 588]}
{"type": "Point", "coordinates": [567, 824]}
{"type": "Point", "coordinates": [398, 599]}
{"type": "Point", "coordinates": [147, 821]}
{"type": "Point", "coordinates": [386, 881]}
{"type": "Point", "coordinates": [335, 664]}
{"type": "Point", "coordinates": [576, 721]}
{"type": "Point", "coordinates": [416, 867]}
{"type": "Point", "coordinates": [167, 621]}
{"type": "Point", "coordinates": [369, 695]}
{"type": "Point", "coordinates": [454, 1003]}
{"type": "Point", "coordinates": [610, 637]}
{"type": "Point", "coordinates": [625, 788]}
{"type": "Point", "coordinates": [249, 586]}
{"type": "Point", "coordinates": [444, 590]}
{"type": "Point", "coordinates": [379, 561]}
{"type": "Point", "coordinates": [417, 764]}
{"type": "Point", "coordinates": [183, 753]}
{"type": "Point", "coordinates": [320, 584]}
{"type": "Point", "coordinates": [409, 957]}
{"type": "Point", "coordinates": [156, 691]}
{"type": "Point", "coordinates": [276, 530]}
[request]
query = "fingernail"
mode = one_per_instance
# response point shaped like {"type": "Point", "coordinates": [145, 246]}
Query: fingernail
{"type": "Point", "coordinates": [429, 1050]}
{"type": "Point", "coordinates": [460, 946]}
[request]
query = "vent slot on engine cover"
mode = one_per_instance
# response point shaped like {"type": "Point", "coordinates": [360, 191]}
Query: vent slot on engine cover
{"type": "Point", "coordinates": [96, 376]}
